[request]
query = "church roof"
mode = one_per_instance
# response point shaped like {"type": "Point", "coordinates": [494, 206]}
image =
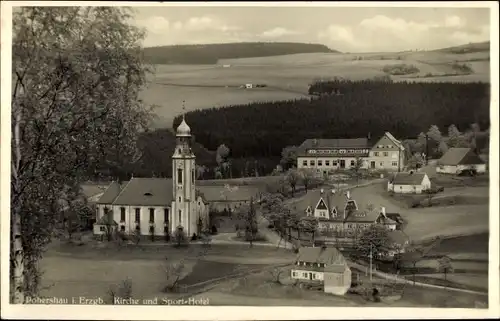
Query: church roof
{"type": "Point", "coordinates": [111, 192]}
{"type": "Point", "coordinates": [141, 191]}
{"type": "Point", "coordinates": [183, 130]}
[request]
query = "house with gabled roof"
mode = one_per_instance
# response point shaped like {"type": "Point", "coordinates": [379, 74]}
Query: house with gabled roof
{"type": "Point", "coordinates": [409, 183]}
{"type": "Point", "coordinates": [457, 160]}
{"type": "Point", "coordinates": [341, 214]}
{"type": "Point", "coordinates": [323, 265]}
{"type": "Point", "coordinates": [387, 153]}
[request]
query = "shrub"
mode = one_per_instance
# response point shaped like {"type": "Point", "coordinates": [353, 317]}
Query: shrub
{"type": "Point", "coordinates": [123, 290]}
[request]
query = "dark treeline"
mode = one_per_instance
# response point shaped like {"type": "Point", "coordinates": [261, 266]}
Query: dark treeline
{"type": "Point", "coordinates": [211, 53]}
{"type": "Point", "coordinates": [356, 109]}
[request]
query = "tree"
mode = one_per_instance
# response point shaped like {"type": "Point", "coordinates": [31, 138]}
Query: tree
{"type": "Point", "coordinates": [442, 148]}
{"type": "Point", "coordinates": [293, 177]}
{"type": "Point", "coordinates": [311, 226]}
{"type": "Point", "coordinates": [374, 240]}
{"type": "Point", "coordinates": [221, 157]}
{"type": "Point", "coordinates": [454, 136]}
{"type": "Point", "coordinates": [307, 176]}
{"type": "Point", "coordinates": [276, 274]}
{"type": "Point", "coordinates": [76, 75]}
{"type": "Point", "coordinates": [357, 168]}
{"type": "Point", "coordinates": [421, 143]}
{"type": "Point", "coordinates": [122, 291]}
{"type": "Point", "coordinates": [251, 227]}
{"type": "Point", "coordinates": [200, 171]}
{"type": "Point", "coordinates": [445, 266]}
{"type": "Point", "coordinates": [180, 236]}
{"type": "Point", "coordinates": [289, 157]}
{"type": "Point", "coordinates": [416, 161]}
{"type": "Point", "coordinates": [434, 140]}
{"type": "Point", "coordinates": [173, 273]}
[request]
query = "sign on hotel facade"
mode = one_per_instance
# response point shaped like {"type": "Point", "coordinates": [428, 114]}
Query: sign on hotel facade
{"type": "Point", "coordinates": [338, 151]}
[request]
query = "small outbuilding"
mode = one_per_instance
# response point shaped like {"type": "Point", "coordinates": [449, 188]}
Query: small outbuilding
{"type": "Point", "coordinates": [409, 183]}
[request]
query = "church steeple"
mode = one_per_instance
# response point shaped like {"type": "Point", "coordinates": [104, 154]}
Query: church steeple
{"type": "Point", "coordinates": [183, 180]}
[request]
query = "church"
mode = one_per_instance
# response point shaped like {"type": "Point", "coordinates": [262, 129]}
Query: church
{"type": "Point", "coordinates": [157, 206]}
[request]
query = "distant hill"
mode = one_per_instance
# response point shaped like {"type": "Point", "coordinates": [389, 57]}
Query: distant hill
{"type": "Point", "coordinates": [211, 53]}
{"type": "Point", "coordinates": [468, 48]}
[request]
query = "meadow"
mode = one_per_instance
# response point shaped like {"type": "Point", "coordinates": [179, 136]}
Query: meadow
{"type": "Point", "coordinates": [288, 77]}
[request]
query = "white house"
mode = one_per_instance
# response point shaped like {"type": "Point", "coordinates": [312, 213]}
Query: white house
{"type": "Point", "coordinates": [409, 183]}
{"type": "Point", "coordinates": [323, 265]}
{"type": "Point", "coordinates": [456, 160]}
{"type": "Point", "coordinates": [248, 86]}
{"type": "Point", "coordinates": [157, 206]}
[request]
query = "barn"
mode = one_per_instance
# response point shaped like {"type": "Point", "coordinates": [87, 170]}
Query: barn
{"type": "Point", "coordinates": [457, 160]}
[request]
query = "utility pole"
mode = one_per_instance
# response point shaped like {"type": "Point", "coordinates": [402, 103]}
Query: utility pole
{"type": "Point", "coordinates": [426, 149]}
{"type": "Point", "coordinates": [371, 255]}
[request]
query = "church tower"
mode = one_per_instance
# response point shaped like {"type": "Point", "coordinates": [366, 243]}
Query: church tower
{"type": "Point", "coordinates": [183, 180]}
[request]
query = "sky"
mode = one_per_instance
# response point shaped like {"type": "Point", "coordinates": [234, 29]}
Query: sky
{"type": "Point", "coordinates": [347, 29]}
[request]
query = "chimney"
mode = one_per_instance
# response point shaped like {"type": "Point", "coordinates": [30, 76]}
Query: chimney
{"type": "Point", "coordinates": [382, 211]}
{"type": "Point", "coordinates": [322, 191]}
{"type": "Point", "coordinates": [348, 195]}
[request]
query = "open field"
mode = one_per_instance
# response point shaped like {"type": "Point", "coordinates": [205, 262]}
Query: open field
{"type": "Point", "coordinates": [288, 77]}
{"type": "Point", "coordinates": [72, 271]}
{"type": "Point", "coordinates": [259, 289]}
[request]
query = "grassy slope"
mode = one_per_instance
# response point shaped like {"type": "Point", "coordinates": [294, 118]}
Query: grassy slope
{"type": "Point", "coordinates": [288, 77]}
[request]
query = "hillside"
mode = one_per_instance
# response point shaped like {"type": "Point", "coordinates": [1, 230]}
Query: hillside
{"type": "Point", "coordinates": [211, 53]}
{"type": "Point", "coordinates": [403, 108]}
{"type": "Point", "coordinates": [288, 76]}
{"type": "Point", "coordinates": [468, 48]}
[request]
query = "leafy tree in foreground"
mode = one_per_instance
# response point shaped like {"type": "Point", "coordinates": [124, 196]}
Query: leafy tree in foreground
{"type": "Point", "coordinates": [374, 240]}
{"type": "Point", "coordinates": [76, 76]}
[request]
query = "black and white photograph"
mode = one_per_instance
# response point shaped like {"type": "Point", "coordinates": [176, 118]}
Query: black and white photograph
{"type": "Point", "coordinates": [255, 157]}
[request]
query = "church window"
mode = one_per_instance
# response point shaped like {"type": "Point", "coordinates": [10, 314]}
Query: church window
{"type": "Point", "coordinates": [192, 176]}
{"type": "Point", "coordinates": [137, 215]}
{"type": "Point", "coordinates": [151, 215]}
{"type": "Point", "coordinates": [179, 176]}
{"type": "Point", "coordinates": [122, 214]}
{"type": "Point", "coordinates": [180, 216]}
{"type": "Point", "coordinates": [165, 214]}
{"type": "Point", "coordinates": [180, 199]}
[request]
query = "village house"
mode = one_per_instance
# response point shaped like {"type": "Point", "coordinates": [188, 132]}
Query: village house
{"type": "Point", "coordinates": [324, 155]}
{"type": "Point", "coordinates": [409, 183]}
{"type": "Point", "coordinates": [457, 160]}
{"type": "Point", "coordinates": [323, 265]}
{"type": "Point", "coordinates": [340, 215]}
{"type": "Point", "coordinates": [157, 206]}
